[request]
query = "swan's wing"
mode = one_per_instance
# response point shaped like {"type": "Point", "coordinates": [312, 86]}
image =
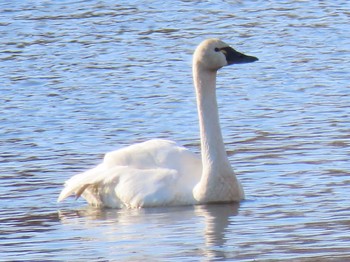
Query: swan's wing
{"type": "Point", "coordinates": [149, 187]}
{"type": "Point", "coordinates": [152, 173]}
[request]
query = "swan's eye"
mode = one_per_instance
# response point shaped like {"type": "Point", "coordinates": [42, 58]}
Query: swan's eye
{"type": "Point", "coordinates": [217, 49]}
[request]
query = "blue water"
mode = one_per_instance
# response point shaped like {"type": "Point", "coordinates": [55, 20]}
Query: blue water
{"type": "Point", "coordinates": [81, 78]}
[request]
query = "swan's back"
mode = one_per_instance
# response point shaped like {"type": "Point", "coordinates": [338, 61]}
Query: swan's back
{"type": "Point", "coordinates": [153, 173]}
{"type": "Point", "coordinates": [153, 153]}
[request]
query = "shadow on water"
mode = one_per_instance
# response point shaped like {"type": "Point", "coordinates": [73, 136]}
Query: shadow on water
{"type": "Point", "coordinates": [22, 231]}
{"type": "Point", "coordinates": [27, 223]}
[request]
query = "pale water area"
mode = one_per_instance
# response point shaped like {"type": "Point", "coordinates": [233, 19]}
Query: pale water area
{"type": "Point", "coordinates": [81, 78]}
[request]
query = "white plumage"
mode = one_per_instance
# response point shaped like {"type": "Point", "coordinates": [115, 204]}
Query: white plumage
{"type": "Point", "coordinates": [161, 173]}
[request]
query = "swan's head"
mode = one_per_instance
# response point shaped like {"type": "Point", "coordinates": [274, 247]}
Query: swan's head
{"type": "Point", "coordinates": [212, 54]}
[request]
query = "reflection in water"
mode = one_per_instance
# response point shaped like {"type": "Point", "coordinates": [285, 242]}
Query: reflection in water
{"type": "Point", "coordinates": [117, 224]}
{"type": "Point", "coordinates": [126, 217]}
{"type": "Point", "coordinates": [217, 221]}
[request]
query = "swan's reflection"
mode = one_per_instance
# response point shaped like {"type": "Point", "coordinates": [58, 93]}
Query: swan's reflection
{"type": "Point", "coordinates": [171, 224]}
{"type": "Point", "coordinates": [217, 220]}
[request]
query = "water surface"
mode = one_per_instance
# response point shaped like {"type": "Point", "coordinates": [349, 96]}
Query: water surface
{"type": "Point", "coordinates": [81, 78]}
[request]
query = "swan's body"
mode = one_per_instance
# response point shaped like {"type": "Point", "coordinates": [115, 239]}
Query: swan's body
{"type": "Point", "coordinates": [161, 173]}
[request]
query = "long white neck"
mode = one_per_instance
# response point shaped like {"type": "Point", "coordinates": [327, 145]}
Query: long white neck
{"type": "Point", "coordinates": [214, 158]}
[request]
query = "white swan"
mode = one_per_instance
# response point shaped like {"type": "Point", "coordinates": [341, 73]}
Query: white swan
{"type": "Point", "coordinates": [161, 173]}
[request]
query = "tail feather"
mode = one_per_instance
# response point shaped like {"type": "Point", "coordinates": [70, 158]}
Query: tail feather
{"type": "Point", "coordinates": [69, 190]}
{"type": "Point", "coordinates": [79, 183]}
{"type": "Point", "coordinates": [66, 192]}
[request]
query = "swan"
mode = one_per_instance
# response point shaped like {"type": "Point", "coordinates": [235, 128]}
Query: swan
{"type": "Point", "coordinates": [161, 173]}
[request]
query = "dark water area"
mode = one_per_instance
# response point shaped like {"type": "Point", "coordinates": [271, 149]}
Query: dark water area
{"type": "Point", "coordinates": [81, 78]}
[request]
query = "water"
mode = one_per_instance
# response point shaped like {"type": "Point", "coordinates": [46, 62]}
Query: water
{"type": "Point", "coordinates": [81, 78]}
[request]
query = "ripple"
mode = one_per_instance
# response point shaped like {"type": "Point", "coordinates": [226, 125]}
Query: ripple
{"type": "Point", "coordinates": [80, 79]}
